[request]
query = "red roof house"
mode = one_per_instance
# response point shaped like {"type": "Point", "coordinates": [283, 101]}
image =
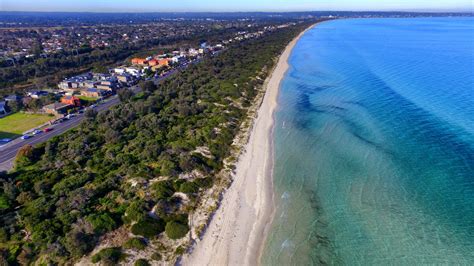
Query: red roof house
{"type": "Point", "coordinates": [72, 100]}
{"type": "Point", "coordinates": [139, 61]}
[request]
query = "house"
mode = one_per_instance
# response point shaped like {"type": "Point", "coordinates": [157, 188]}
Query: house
{"type": "Point", "coordinates": [3, 108]}
{"type": "Point", "coordinates": [71, 100]}
{"type": "Point", "coordinates": [119, 70]}
{"type": "Point", "coordinates": [104, 87]}
{"type": "Point", "coordinates": [193, 52]}
{"type": "Point", "coordinates": [37, 94]}
{"type": "Point", "coordinates": [94, 92]}
{"type": "Point", "coordinates": [139, 61]}
{"type": "Point", "coordinates": [133, 71]}
{"type": "Point", "coordinates": [163, 62]}
{"type": "Point", "coordinates": [177, 59]}
{"type": "Point", "coordinates": [125, 78]}
{"type": "Point", "coordinates": [57, 108]}
{"type": "Point", "coordinates": [13, 98]}
{"type": "Point", "coordinates": [153, 62]}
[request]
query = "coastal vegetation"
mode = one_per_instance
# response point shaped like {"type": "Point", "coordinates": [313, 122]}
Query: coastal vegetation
{"type": "Point", "coordinates": [140, 167]}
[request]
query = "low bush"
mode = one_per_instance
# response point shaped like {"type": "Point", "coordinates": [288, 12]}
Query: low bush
{"type": "Point", "coordinates": [162, 189]}
{"type": "Point", "coordinates": [141, 262]}
{"type": "Point", "coordinates": [135, 243]}
{"type": "Point", "coordinates": [176, 230]}
{"type": "Point", "coordinates": [108, 256]}
{"type": "Point", "coordinates": [148, 227]}
{"type": "Point", "coordinates": [189, 188]}
{"type": "Point", "coordinates": [156, 256]}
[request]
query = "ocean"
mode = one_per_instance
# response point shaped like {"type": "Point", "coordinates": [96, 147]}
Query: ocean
{"type": "Point", "coordinates": [374, 145]}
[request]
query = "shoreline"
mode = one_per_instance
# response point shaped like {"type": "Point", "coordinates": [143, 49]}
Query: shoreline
{"type": "Point", "coordinates": [238, 229]}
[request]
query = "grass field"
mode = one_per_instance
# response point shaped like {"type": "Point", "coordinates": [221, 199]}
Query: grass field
{"type": "Point", "coordinates": [15, 124]}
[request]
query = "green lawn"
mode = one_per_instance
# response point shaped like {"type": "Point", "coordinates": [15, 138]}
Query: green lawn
{"type": "Point", "coordinates": [15, 124]}
{"type": "Point", "coordinates": [87, 99]}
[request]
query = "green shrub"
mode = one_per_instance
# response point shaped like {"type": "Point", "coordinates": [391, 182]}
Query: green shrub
{"type": "Point", "coordinates": [141, 262]}
{"type": "Point", "coordinates": [4, 204]}
{"type": "Point", "coordinates": [163, 189]}
{"type": "Point", "coordinates": [156, 256]}
{"type": "Point", "coordinates": [135, 243]}
{"type": "Point", "coordinates": [180, 250]}
{"type": "Point", "coordinates": [148, 227]}
{"type": "Point", "coordinates": [176, 230]}
{"type": "Point", "coordinates": [204, 182]}
{"type": "Point", "coordinates": [177, 183]}
{"type": "Point", "coordinates": [3, 235]}
{"type": "Point", "coordinates": [189, 188]}
{"type": "Point", "coordinates": [135, 211]}
{"type": "Point", "coordinates": [101, 222]}
{"type": "Point", "coordinates": [109, 256]}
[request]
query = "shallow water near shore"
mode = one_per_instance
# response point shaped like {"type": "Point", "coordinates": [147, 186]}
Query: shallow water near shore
{"type": "Point", "coordinates": [374, 145]}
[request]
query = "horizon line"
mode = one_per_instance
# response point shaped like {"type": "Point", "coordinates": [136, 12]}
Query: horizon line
{"type": "Point", "coordinates": [256, 11]}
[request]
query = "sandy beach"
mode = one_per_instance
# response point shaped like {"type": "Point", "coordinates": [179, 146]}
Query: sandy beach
{"type": "Point", "coordinates": [237, 231]}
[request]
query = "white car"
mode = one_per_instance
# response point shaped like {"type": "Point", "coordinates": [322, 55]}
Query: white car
{"type": "Point", "coordinates": [36, 132]}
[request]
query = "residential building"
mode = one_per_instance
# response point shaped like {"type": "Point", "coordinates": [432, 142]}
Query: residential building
{"type": "Point", "coordinates": [94, 92]}
{"type": "Point", "coordinates": [139, 61]}
{"type": "Point", "coordinates": [13, 98]}
{"type": "Point", "coordinates": [71, 100]}
{"type": "Point", "coordinates": [57, 108]}
{"type": "Point", "coordinates": [105, 87]}
{"type": "Point", "coordinates": [125, 78]}
{"type": "Point", "coordinates": [133, 71]}
{"type": "Point", "coordinates": [153, 62]}
{"type": "Point", "coordinates": [163, 62]}
{"type": "Point", "coordinates": [37, 94]}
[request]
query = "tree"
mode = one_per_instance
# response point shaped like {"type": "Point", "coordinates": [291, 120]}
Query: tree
{"type": "Point", "coordinates": [90, 114]}
{"type": "Point", "coordinates": [148, 86]}
{"type": "Point", "coordinates": [24, 156]}
{"type": "Point", "coordinates": [125, 95]}
{"type": "Point", "coordinates": [78, 243]}
{"type": "Point", "coordinates": [15, 106]}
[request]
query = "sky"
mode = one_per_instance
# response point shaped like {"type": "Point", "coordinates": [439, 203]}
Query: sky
{"type": "Point", "coordinates": [234, 5]}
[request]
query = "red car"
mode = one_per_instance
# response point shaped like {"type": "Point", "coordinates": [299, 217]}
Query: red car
{"type": "Point", "coordinates": [47, 129]}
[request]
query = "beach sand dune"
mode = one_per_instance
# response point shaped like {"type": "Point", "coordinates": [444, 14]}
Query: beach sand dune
{"type": "Point", "coordinates": [237, 231]}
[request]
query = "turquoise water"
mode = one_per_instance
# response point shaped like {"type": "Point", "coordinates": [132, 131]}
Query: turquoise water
{"type": "Point", "coordinates": [374, 145]}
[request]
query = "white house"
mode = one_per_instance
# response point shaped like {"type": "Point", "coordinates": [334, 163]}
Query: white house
{"type": "Point", "coordinates": [119, 71]}
{"type": "Point", "coordinates": [133, 71]}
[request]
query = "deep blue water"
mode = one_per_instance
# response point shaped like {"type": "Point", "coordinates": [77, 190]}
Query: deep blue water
{"type": "Point", "coordinates": [374, 145]}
